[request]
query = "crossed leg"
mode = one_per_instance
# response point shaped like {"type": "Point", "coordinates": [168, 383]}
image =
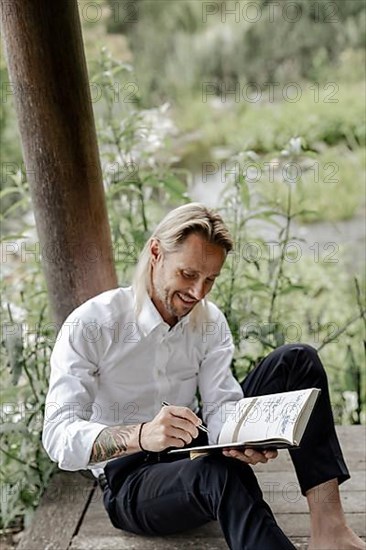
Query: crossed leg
{"type": "Point", "coordinates": [319, 462]}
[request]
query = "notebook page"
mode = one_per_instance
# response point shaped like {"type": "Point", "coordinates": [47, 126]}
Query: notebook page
{"type": "Point", "coordinates": [264, 417]}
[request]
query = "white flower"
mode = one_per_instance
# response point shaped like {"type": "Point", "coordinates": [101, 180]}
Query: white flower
{"type": "Point", "coordinates": [295, 145]}
{"type": "Point", "coordinates": [351, 400]}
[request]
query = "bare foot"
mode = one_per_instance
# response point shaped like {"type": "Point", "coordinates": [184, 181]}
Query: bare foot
{"type": "Point", "coordinates": [345, 540]}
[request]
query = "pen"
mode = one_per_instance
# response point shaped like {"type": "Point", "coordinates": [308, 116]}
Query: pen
{"type": "Point", "coordinates": [200, 427]}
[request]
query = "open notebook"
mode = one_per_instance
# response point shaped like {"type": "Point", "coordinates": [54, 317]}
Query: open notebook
{"type": "Point", "coordinates": [276, 421]}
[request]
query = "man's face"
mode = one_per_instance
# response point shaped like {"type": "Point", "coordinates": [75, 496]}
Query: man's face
{"type": "Point", "coordinates": [182, 278]}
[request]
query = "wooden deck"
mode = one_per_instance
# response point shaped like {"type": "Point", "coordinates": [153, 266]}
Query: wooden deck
{"type": "Point", "coordinates": [71, 515]}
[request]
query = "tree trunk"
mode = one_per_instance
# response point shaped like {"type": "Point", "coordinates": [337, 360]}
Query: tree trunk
{"type": "Point", "coordinates": [49, 80]}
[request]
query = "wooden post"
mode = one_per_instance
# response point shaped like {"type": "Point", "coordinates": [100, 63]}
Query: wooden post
{"type": "Point", "coordinates": [49, 80]}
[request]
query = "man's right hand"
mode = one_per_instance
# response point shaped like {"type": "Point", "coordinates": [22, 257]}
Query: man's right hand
{"type": "Point", "coordinates": [172, 427]}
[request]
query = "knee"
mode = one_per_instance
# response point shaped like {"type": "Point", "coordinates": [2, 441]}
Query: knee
{"type": "Point", "coordinates": [305, 350]}
{"type": "Point", "coordinates": [303, 357]}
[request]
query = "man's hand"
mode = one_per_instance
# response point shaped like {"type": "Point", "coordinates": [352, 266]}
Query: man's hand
{"type": "Point", "coordinates": [251, 456]}
{"type": "Point", "coordinates": [172, 427]}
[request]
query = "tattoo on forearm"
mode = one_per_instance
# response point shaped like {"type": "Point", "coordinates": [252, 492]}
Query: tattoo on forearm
{"type": "Point", "coordinates": [111, 442]}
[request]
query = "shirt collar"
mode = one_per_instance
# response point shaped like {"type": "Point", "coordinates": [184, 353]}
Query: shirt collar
{"type": "Point", "coordinates": [149, 318]}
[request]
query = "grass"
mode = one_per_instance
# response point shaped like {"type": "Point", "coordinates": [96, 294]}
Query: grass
{"type": "Point", "coordinates": [266, 126]}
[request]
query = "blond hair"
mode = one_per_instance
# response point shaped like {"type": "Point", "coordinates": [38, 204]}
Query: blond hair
{"type": "Point", "coordinates": [171, 232]}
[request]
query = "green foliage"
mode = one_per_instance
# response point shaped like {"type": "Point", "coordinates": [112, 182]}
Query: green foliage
{"type": "Point", "coordinates": [306, 38]}
{"type": "Point", "coordinates": [26, 344]}
{"type": "Point", "coordinates": [140, 184]}
{"type": "Point", "coordinates": [10, 148]}
{"type": "Point", "coordinates": [8, 131]}
{"type": "Point", "coordinates": [331, 168]}
{"type": "Point", "coordinates": [285, 293]}
{"type": "Point", "coordinates": [270, 42]}
{"type": "Point", "coordinates": [332, 113]}
{"type": "Point", "coordinates": [183, 15]}
{"type": "Point", "coordinates": [333, 177]}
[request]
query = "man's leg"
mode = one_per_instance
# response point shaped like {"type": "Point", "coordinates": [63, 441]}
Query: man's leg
{"type": "Point", "coordinates": [165, 498]}
{"type": "Point", "coordinates": [319, 462]}
{"type": "Point", "coordinates": [328, 523]}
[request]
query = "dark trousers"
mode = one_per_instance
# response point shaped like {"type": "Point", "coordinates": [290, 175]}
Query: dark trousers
{"type": "Point", "coordinates": [161, 495]}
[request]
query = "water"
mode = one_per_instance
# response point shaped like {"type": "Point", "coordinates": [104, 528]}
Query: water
{"type": "Point", "coordinates": [324, 239]}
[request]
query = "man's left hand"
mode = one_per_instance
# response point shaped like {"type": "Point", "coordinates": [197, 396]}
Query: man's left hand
{"type": "Point", "coordinates": [251, 456]}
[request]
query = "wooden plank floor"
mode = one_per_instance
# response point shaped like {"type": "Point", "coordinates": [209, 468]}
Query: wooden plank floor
{"type": "Point", "coordinates": [90, 528]}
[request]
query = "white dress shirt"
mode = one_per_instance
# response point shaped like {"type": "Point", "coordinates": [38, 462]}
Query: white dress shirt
{"type": "Point", "coordinates": [112, 367]}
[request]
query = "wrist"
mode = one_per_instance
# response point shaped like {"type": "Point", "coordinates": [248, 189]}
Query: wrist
{"type": "Point", "coordinates": [139, 438]}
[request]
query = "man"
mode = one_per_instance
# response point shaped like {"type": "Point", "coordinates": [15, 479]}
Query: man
{"type": "Point", "coordinates": [121, 354]}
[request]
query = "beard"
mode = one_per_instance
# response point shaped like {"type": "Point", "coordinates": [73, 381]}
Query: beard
{"type": "Point", "coordinates": [166, 299]}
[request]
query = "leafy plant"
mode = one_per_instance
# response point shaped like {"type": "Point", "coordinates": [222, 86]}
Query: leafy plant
{"type": "Point", "coordinates": [139, 181]}
{"type": "Point", "coordinates": [272, 292]}
{"type": "Point", "coordinates": [26, 346]}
